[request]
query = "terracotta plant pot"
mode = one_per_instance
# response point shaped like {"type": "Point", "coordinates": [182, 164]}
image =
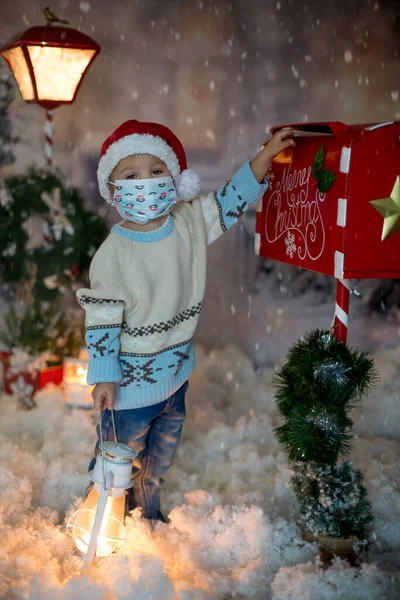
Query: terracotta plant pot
{"type": "Point", "coordinates": [329, 547]}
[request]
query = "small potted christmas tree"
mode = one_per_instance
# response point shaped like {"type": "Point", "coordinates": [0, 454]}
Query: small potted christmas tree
{"type": "Point", "coordinates": [316, 390]}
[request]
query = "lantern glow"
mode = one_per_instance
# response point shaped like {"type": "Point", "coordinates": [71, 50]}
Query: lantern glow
{"type": "Point", "coordinates": [112, 531]}
{"type": "Point", "coordinates": [18, 66]}
{"type": "Point", "coordinates": [58, 71]}
{"type": "Point", "coordinates": [98, 527]}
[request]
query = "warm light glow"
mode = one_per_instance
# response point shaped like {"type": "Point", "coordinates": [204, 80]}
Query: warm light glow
{"type": "Point", "coordinates": [75, 371]}
{"type": "Point", "coordinates": [21, 72]}
{"type": "Point", "coordinates": [75, 389]}
{"type": "Point", "coordinates": [112, 531]}
{"type": "Point", "coordinates": [58, 71]}
{"type": "Point", "coordinates": [82, 372]}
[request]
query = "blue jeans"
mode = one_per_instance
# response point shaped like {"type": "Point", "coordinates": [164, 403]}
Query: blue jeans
{"type": "Point", "coordinates": [154, 432]}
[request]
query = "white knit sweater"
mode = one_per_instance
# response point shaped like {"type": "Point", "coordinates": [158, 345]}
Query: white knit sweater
{"type": "Point", "coordinates": [146, 292]}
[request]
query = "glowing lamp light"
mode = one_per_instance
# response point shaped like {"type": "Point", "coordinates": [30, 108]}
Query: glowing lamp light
{"type": "Point", "coordinates": [77, 393]}
{"type": "Point", "coordinates": [50, 63]}
{"type": "Point", "coordinates": [98, 527]}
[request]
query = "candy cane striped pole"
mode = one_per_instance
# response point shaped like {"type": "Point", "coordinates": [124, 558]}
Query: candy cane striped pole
{"type": "Point", "coordinates": [341, 317]}
{"type": "Point", "coordinates": [48, 138]}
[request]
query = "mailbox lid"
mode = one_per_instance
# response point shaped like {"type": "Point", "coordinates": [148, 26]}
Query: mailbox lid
{"type": "Point", "coordinates": [331, 128]}
{"type": "Point", "coordinates": [335, 129]}
{"type": "Point", "coordinates": [374, 168]}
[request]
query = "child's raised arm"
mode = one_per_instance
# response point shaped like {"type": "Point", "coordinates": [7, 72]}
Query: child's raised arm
{"type": "Point", "coordinates": [261, 163]}
{"type": "Point", "coordinates": [223, 208]}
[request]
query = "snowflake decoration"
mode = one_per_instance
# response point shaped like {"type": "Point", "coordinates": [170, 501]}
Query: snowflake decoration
{"type": "Point", "coordinates": [290, 244]}
{"type": "Point", "coordinates": [58, 219]}
{"type": "Point", "coordinates": [23, 390]}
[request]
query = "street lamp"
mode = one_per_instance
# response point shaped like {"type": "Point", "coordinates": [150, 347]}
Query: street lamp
{"type": "Point", "coordinates": [49, 64]}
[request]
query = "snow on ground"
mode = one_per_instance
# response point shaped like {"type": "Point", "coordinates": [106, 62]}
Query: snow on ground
{"type": "Point", "coordinates": [232, 530]}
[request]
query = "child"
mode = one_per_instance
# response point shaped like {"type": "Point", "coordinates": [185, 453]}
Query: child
{"type": "Point", "coordinates": [147, 284]}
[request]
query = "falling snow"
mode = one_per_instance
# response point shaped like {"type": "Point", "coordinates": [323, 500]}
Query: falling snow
{"type": "Point", "coordinates": [348, 56]}
{"type": "Point", "coordinates": [84, 7]}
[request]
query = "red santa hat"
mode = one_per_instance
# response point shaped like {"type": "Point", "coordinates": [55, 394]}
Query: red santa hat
{"type": "Point", "coordinates": [135, 137]}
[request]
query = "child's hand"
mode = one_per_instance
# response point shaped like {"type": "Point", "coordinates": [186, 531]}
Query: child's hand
{"type": "Point", "coordinates": [261, 163]}
{"type": "Point", "coordinates": [104, 396]}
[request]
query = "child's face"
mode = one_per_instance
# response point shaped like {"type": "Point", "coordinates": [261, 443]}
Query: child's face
{"type": "Point", "coordinates": [138, 166]}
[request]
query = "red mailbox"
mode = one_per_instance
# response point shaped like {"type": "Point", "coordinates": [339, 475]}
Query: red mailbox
{"type": "Point", "coordinates": [333, 205]}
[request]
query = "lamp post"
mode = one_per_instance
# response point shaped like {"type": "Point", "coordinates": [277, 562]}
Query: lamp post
{"type": "Point", "coordinates": [49, 64]}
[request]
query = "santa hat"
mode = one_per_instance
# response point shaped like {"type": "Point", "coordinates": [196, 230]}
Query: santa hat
{"type": "Point", "coordinates": [135, 137]}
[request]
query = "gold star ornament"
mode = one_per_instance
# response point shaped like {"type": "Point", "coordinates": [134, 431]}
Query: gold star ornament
{"type": "Point", "coordinates": [389, 208]}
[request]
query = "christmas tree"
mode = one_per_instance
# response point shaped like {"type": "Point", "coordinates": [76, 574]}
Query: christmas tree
{"type": "Point", "coordinates": [7, 137]}
{"type": "Point", "coordinates": [317, 389]}
{"type": "Point", "coordinates": [47, 241]}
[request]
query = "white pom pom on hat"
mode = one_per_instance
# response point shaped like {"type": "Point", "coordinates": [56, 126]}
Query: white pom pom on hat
{"type": "Point", "coordinates": [136, 137]}
{"type": "Point", "coordinates": [187, 184]}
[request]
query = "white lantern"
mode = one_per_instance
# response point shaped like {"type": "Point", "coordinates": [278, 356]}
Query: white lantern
{"type": "Point", "coordinates": [98, 527]}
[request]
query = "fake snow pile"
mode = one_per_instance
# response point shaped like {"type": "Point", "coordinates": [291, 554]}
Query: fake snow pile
{"type": "Point", "coordinates": [232, 530]}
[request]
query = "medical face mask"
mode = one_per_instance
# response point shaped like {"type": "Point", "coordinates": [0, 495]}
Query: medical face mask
{"type": "Point", "coordinates": [141, 200]}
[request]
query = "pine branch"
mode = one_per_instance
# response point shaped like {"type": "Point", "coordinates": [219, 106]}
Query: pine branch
{"type": "Point", "coordinates": [332, 499]}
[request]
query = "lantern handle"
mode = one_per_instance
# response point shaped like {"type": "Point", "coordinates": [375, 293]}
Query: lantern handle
{"type": "Point", "coordinates": [102, 447]}
{"type": "Point", "coordinates": [113, 423]}
{"type": "Point", "coordinates": [98, 519]}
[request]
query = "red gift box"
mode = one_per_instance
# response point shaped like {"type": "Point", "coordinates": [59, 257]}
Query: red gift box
{"type": "Point", "coordinates": [22, 380]}
{"type": "Point", "coordinates": [51, 375]}
{"type": "Point", "coordinates": [338, 232]}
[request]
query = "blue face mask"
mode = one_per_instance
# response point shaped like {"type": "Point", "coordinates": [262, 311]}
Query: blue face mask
{"type": "Point", "coordinates": [142, 200]}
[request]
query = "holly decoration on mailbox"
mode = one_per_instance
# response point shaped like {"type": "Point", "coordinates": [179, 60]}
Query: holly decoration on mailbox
{"type": "Point", "coordinates": [323, 177]}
